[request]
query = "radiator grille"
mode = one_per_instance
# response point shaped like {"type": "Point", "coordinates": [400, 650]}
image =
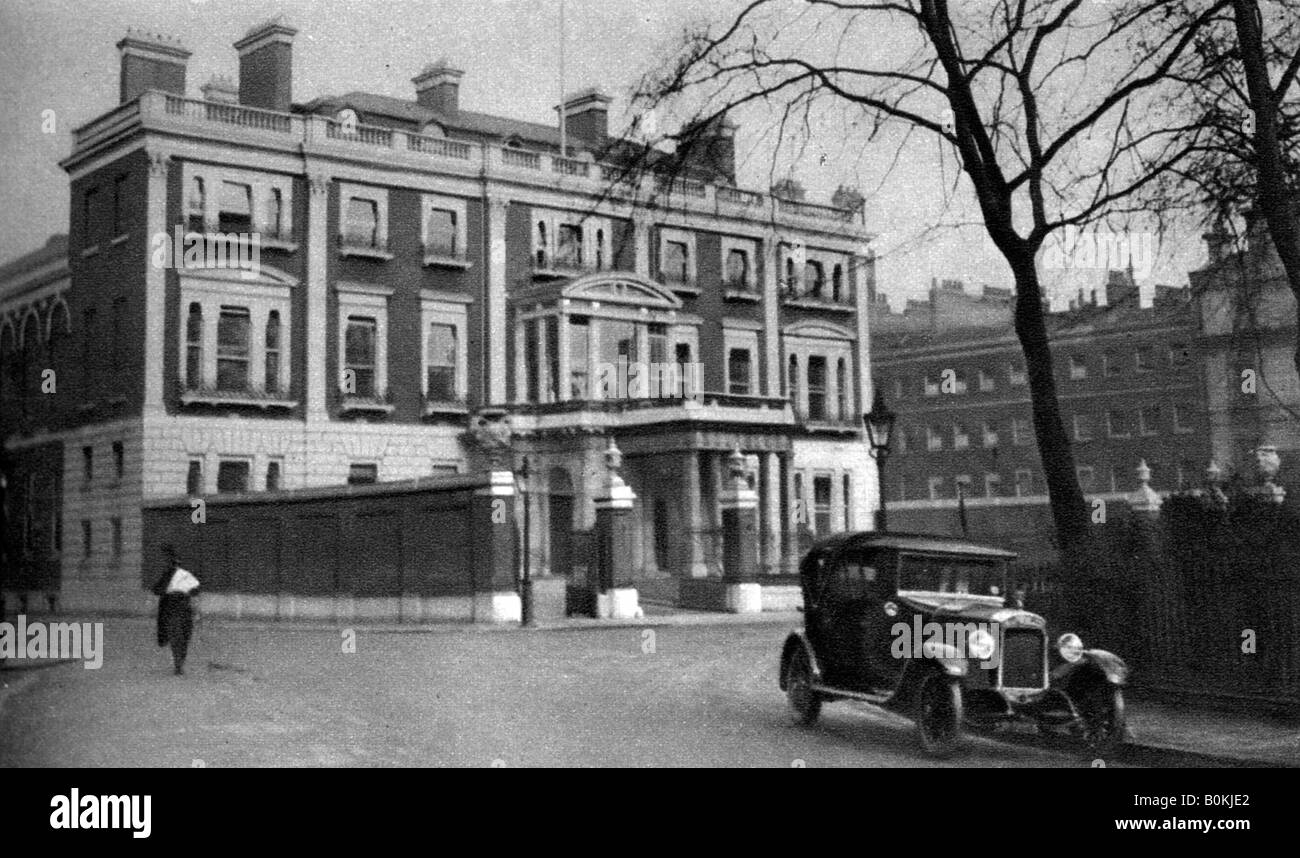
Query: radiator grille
{"type": "Point", "coordinates": [1022, 658]}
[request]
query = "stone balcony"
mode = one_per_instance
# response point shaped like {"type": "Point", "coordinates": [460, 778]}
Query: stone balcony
{"type": "Point", "coordinates": [707, 407]}
{"type": "Point", "coordinates": [167, 113]}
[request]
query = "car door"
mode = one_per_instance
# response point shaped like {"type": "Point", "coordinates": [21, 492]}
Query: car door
{"type": "Point", "coordinates": [846, 621]}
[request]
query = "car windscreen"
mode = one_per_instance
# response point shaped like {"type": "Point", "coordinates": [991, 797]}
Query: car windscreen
{"type": "Point", "coordinates": [975, 576]}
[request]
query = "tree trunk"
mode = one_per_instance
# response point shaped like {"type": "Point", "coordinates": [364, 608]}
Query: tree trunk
{"type": "Point", "coordinates": [1273, 196]}
{"type": "Point", "coordinates": [1069, 510]}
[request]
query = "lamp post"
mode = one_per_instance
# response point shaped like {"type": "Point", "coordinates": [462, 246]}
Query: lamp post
{"type": "Point", "coordinates": [879, 423]}
{"type": "Point", "coordinates": [526, 584]}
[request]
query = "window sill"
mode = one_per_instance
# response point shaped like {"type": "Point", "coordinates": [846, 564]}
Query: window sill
{"type": "Point", "coordinates": [681, 287]}
{"type": "Point", "coordinates": [236, 397]}
{"type": "Point", "coordinates": [90, 251]}
{"type": "Point", "coordinates": [363, 252]}
{"type": "Point", "coordinates": [119, 239]}
{"type": "Point", "coordinates": [742, 295]}
{"type": "Point", "coordinates": [282, 245]}
{"type": "Point", "coordinates": [455, 408]}
{"type": "Point", "coordinates": [365, 405]}
{"type": "Point", "coordinates": [445, 260]}
{"type": "Point", "coordinates": [819, 304]}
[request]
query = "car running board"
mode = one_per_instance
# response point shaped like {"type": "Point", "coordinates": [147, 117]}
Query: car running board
{"type": "Point", "coordinates": [866, 697]}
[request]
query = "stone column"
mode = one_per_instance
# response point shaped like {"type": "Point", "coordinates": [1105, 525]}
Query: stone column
{"type": "Point", "coordinates": [695, 565]}
{"type": "Point", "coordinates": [616, 598]}
{"type": "Point", "coordinates": [496, 598]}
{"type": "Point", "coordinates": [155, 286]}
{"type": "Point", "coordinates": [771, 315]}
{"type": "Point", "coordinates": [494, 304]}
{"type": "Point", "coordinates": [739, 506]}
{"type": "Point", "coordinates": [562, 345]}
{"type": "Point", "coordinates": [862, 276]}
{"type": "Point", "coordinates": [773, 489]}
{"type": "Point", "coordinates": [316, 384]}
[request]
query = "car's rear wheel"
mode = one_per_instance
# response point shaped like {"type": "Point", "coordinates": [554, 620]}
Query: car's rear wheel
{"type": "Point", "coordinates": [1101, 708]}
{"type": "Point", "coordinates": [939, 714]}
{"type": "Point", "coordinates": [805, 702]}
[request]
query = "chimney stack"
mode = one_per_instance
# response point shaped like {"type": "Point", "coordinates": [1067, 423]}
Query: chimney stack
{"type": "Point", "coordinates": [266, 66]}
{"type": "Point", "coordinates": [151, 61]}
{"type": "Point", "coordinates": [437, 87]}
{"type": "Point", "coordinates": [586, 116]}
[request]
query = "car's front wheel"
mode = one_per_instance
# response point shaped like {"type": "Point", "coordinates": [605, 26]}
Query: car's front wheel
{"type": "Point", "coordinates": [939, 714]}
{"type": "Point", "coordinates": [799, 688]}
{"type": "Point", "coordinates": [1101, 708]}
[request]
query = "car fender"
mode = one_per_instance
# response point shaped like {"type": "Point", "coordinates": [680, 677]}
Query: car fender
{"type": "Point", "coordinates": [1093, 661]}
{"type": "Point", "coordinates": [794, 641]}
{"type": "Point", "coordinates": [946, 657]}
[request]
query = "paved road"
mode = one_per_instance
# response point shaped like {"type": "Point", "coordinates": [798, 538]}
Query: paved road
{"type": "Point", "coordinates": [280, 696]}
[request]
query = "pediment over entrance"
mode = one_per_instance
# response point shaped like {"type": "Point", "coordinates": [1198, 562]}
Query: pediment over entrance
{"type": "Point", "coordinates": [621, 288]}
{"type": "Point", "coordinates": [818, 330]}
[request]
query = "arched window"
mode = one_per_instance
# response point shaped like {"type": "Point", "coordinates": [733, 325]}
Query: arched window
{"type": "Point", "coordinates": [600, 250]}
{"type": "Point", "coordinates": [837, 283]}
{"type": "Point", "coordinates": [275, 213]}
{"type": "Point", "coordinates": [789, 274]}
{"type": "Point", "coordinates": [194, 347]}
{"type": "Point", "coordinates": [792, 383]}
{"type": "Point", "coordinates": [194, 206]}
{"type": "Point", "coordinates": [541, 244]}
{"type": "Point", "coordinates": [273, 348]}
{"type": "Point", "coordinates": [842, 387]}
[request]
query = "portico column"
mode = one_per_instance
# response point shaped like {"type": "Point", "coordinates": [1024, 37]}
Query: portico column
{"type": "Point", "coordinates": [494, 305]}
{"type": "Point", "coordinates": [772, 492]}
{"type": "Point", "coordinates": [317, 385]}
{"type": "Point", "coordinates": [695, 565]}
{"type": "Point", "coordinates": [792, 519]}
{"type": "Point", "coordinates": [739, 506]}
{"type": "Point", "coordinates": [594, 390]}
{"type": "Point", "coordinates": [562, 343]}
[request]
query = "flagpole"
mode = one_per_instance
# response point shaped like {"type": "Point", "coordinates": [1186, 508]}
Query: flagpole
{"type": "Point", "coordinates": [564, 147]}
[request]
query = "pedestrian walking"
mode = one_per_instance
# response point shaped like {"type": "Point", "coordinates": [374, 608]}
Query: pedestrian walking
{"type": "Point", "coordinates": [175, 589]}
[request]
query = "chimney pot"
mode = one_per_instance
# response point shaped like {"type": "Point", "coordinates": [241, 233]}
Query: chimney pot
{"type": "Point", "coordinates": [586, 116]}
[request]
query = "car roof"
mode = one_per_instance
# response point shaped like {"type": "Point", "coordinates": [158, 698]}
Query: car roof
{"type": "Point", "coordinates": [909, 542]}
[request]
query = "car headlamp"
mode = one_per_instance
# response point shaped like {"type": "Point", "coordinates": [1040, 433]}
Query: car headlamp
{"type": "Point", "coordinates": [1070, 646]}
{"type": "Point", "coordinates": [980, 645]}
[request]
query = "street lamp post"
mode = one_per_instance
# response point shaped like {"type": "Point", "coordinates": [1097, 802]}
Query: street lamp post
{"type": "Point", "coordinates": [526, 585]}
{"type": "Point", "coordinates": [879, 423]}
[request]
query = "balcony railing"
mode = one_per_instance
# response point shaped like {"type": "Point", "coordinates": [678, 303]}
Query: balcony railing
{"type": "Point", "coordinates": [550, 265]}
{"type": "Point", "coordinates": [168, 111]}
{"type": "Point", "coordinates": [707, 399]}
{"type": "Point", "coordinates": [445, 256]}
{"type": "Point", "coordinates": [520, 158]}
{"type": "Point", "coordinates": [821, 298]}
{"type": "Point", "coordinates": [365, 245]}
{"type": "Point", "coordinates": [440, 146]}
{"type": "Point", "coordinates": [229, 114]}
{"type": "Point", "coordinates": [740, 288]}
{"type": "Point", "coordinates": [570, 166]}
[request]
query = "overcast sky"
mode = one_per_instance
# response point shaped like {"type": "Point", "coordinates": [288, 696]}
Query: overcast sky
{"type": "Point", "coordinates": [60, 55]}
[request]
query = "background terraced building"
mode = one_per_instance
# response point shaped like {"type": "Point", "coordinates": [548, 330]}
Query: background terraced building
{"type": "Point", "coordinates": [419, 261]}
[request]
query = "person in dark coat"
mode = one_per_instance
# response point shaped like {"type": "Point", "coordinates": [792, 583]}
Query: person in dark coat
{"type": "Point", "coordinates": [175, 609]}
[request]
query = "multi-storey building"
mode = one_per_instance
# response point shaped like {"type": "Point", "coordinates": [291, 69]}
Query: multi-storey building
{"type": "Point", "coordinates": [1247, 313]}
{"type": "Point", "coordinates": [415, 262]}
{"type": "Point", "coordinates": [1130, 389]}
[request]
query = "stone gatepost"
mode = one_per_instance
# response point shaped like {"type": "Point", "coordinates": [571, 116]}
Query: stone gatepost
{"type": "Point", "coordinates": [739, 505]}
{"type": "Point", "coordinates": [493, 522]}
{"type": "Point", "coordinates": [616, 598]}
{"type": "Point", "coordinates": [492, 511]}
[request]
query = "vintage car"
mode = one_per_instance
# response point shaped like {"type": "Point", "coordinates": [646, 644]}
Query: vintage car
{"type": "Point", "coordinates": [924, 626]}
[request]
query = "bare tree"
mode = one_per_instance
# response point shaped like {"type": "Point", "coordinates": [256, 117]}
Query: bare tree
{"type": "Point", "coordinates": [1238, 87]}
{"type": "Point", "coordinates": [1037, 98]}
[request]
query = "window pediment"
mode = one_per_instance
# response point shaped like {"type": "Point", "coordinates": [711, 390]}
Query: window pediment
{"type": "Point", "coordinates": [621, 289]}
